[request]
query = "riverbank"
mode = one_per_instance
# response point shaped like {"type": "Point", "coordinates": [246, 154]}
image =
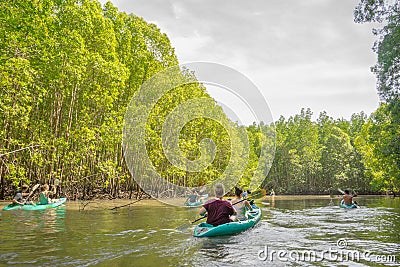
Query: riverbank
{"type": "Point", "coordinates": [105, 204]}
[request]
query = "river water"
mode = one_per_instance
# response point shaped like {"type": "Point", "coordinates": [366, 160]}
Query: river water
{"type": "Point", "coordinates": [294, 231]}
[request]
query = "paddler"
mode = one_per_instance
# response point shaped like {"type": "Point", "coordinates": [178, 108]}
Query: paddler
{"type": "Point", "coordinates": [218, 210]}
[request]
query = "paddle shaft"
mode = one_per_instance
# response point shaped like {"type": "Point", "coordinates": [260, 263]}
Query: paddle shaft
{"type": "Point", "coordinates": [31, 193]}
{"type": "Point", "coordinates": [205, 216]}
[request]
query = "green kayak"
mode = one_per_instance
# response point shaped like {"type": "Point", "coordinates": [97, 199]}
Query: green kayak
{"type": "Point", "coordinates": [36, 206]}
{"type": "Point", "coordinates": [198, 203]}
{"type": "Point", "coordinates": [348, 206]}
{"type": "Point", "coordinates": [205, 229]}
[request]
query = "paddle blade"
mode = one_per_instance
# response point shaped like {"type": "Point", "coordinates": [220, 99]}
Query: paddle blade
{"type": "Point", "coordinates": [341, 191]}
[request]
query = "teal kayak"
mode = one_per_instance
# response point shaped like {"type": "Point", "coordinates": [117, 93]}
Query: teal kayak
{"type": "Point", "coordinates": [348, 206]}
{"type": "Point", "coordinates": [205, 229]}
{"type": "Point", "coordinates": [37, 206]}
{"type": "Point", "coordinates": [198, 203]}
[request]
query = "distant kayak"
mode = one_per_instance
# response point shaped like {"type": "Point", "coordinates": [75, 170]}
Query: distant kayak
{"type": "Point", "coordinates": [36, 206]}
{"type": "Point", "coordinates": [198, 203]}
{"type": "Point", "coordinates": [205, 229]}
{"type": "Point", "coordinates": [348, 206]}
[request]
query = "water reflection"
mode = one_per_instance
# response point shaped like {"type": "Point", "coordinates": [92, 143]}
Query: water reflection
{"type": "Point", "coordinates": [52, 220]}
{"type": "Point", "coordinates": [29, 235]}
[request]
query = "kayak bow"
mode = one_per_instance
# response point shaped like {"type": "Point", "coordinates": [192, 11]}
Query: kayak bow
{"type": "Point", "coordinates": [348, 206]}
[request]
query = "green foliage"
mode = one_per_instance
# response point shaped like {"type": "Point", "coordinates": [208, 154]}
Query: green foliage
{"type": "Point", "coordinates": [380, 164]}
{"type": "Point", "coordinates": [68, 70]}
{"type": "Point", "coordinates": [317, 157]}
{"type": "Point", "coordinates": [387, 71]}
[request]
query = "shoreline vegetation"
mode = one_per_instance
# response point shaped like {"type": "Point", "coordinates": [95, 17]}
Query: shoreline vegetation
{"type": "Point", "coordinates": [68, 70]}
{"type": "Point", "coordinates": [107, 204]}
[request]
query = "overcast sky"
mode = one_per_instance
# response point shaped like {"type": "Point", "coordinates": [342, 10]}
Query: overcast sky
{"type": "Point", "coordinates": [299, 53]}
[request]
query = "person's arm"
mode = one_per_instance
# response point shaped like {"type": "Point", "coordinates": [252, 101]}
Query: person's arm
{"type": "Point", "coordinates": [248, 205]}
{"type": "Point", "coordinates": [202, 211]}
{"type": "Point", "coordinates": [232, 208]}
{"type": "Point", "coordinates": [17, 202]}
{"type": "Point", "coordinates": [15, 199]}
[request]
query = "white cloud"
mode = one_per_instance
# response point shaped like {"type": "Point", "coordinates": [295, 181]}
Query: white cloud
{"type": "Point", "coordinates": [299, 53]}
{"type": "Point", "coordinates": [190, 44]}
{"type": "Point", "coordinates": [178, 10]}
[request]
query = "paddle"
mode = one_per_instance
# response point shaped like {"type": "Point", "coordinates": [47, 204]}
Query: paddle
{"type": "Point", "coordinates": [31, 193]}
{"type": "Point", "coordinates": [201, 218]}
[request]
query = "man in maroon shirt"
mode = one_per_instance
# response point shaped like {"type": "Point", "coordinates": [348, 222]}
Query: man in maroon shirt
{"type": "Point", "coordinates": [218, 209]}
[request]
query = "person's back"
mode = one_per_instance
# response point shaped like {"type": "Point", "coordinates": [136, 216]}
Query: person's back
{"type": "Point", "coordinates": [192, 198]}
{"type": "Point", "coordinates": [44, 195]}
{"type": "Point", "coordinates": [240, 209]}
{"type": "Point", "coordinates": [240, 204]}
{"type": "Point", "coordinates": [18, 198]}
{"type": "Point", "coordinates": [43, 199]}
{"type": "Point", "coordinates": [218, 211]}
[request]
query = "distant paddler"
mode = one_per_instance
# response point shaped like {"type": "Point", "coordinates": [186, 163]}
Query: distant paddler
{"type": "Point", "coordinates": [348, 198]}
{"type": "Point", "coordinates": [347, 201]}
{"type": "Point", "coordinates": [24, 192]}
{"type": "Point", "coordinates": [193, 198]}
